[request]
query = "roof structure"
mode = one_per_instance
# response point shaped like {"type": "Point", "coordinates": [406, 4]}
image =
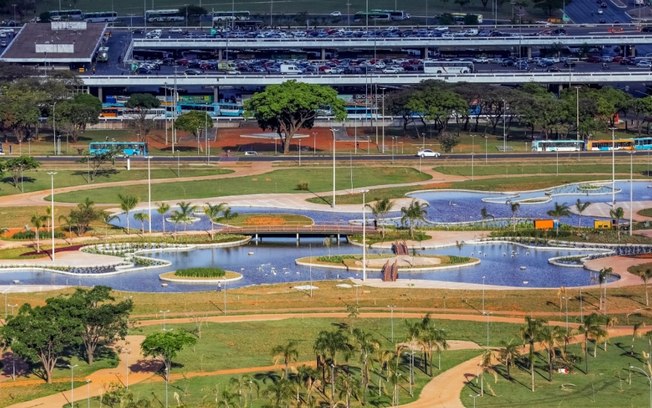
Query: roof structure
{"type": "Point", "coordinates": [59, 42]}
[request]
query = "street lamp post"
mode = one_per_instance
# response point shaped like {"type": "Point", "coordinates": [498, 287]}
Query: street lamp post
{"type": "Point", "coordinates": [474, 398]}
{"type": "Point", "coordinates": [577, 111]}
{"type": "Point", "coordinates": [165, 312]}
{"type": "Point", "coordinates": [72, 384]}
{"type": "Point", "coordinates": [149, 192]}
{"type": "Point", "coordinates": [88, 393]}
{"type": "Point", "coordinates": [649, 379]}
{"type": "Point", "coordinates": [391, 318]}
{"type": "Point", "coordinates": [382, 89]}
{"type": "Point", "coordinates": [472, 156]}
{"type": "Point", "coordinates": [613, 166]}
{"type": "Point", "coordinates": [333, 202]}
{"type": "Point", "coordinates": [631, 192]}
{"type": "Point", "coordinates": [52, 173]}
{"type": "Point", "coordinates": [504, 134]}
{"type": "Point", "coordinates": [54, 127]}
{"type": "Point", "coordinates": [364, 235]}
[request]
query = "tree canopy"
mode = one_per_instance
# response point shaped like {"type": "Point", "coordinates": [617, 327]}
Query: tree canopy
{"type": "Point", "coordinates": [194, 122]}
{"type": "Point", "coordinates": [166, 345]}
{"type": "Point", "coordinates": [77, 113]}
{"type": "Point", "coordinates": [290, 106]}
{"type": "Point", "coordinates": [142, 102]}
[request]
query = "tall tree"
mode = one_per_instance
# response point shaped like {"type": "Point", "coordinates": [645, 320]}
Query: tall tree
{"type": "Point", "coordinates": [645, 275]}
{"type": "Point", "coordinates": [162, 209]}
{"type": "Point", "coordinates": [514, 207]}
{"type": "Point", "coordinates": [530, 334]}
{"type": "Point", "coordinates": [37, 221]}
{"type": "Point", "coordinates": [127, 203]}
{"type": "Point", "coordinates": [509, 353]}
{"type": "Point", "coordinates": [103, 320]}
{"type": "Point", "coordinates": [603, 275]}
{"type": "Point", "coordinates": [142, 217]}
{"type": "Point", "coordinates": [617, 214]}
{"type": "Point", "coordinates": [18, 165]}
{"type": "Point", "coordinates": [194, 122]}
{"type": "Point", "coordinates": [42, 334]}
{"type": "Point", "coordinates": [290, 106]}
{"type": "Point", "coordinates": [581, 207]}
{"type": "Point", "coordinates": [367, 346]}
{"type": "Point", "coordinates": [287, 353]}
{"type": "Point", "coordinates": [380, 209]}
{"type": "Point", "coordinates": [560, 210]}
{"type": "Point", "coordinates": [143, 102]}
{"type": "Point", "coordinates": [83, 215]}
{"type": "Point", "coordinates": [77, 113]}
{"type": "Point", "coordinates": [20, 103]}
{"type": "Point", "coordinates": [591, 328]}
{"type": "Point", "coordinates": [214, 212]}
{"type": "Point", "coordinates": [166, 345]}
{"type": "Point", "coordinates": [413, 213]}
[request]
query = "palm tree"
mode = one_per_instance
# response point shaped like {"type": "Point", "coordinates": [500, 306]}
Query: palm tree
{"type": "Point", "coordinates": [636, 333]}
{"type": "Point", "coordinates": [349, 388]}
{"type": "Point", "coordinates": [645, 275]}
{"type": "Point", "coordinates": [487, 365]}
{"type": "Point", "coordinates": [509, 354]}
{"type": "Point", "coordinates": [37, 221]}
{"type": "Point", "coordinates": [379, 210]}
{"type": "Point", "coordinates": [617, 214]}
{"type": "Point", "coordinates": [551, 338]}
{"type": "Point", "coordinates": [431, 338]}
{"type": "Point", "coordinates": [416, 211]}
{"type": "Point", "coordinates": [326, 347]}
{"type": "Point", "coordinates": [530, 334]}
{"type": "Point", "coordinates": [244, 386]}
{"type": "Point", "coordinates": [287, 353]}
{"type": "Point", "coordinates": [485, 214]}
{"type": "Point", "coordinates": [307, 377]}
{"type": "Point", "coordinates": [591, 328]}
{"type": "Point", "coordinates": [367, 345]}
{"type": "Point", "coordinates": [280, 392]}
{"type": "Point", "coordinates": [603, 274]}
{"type": "Point", "coordinates": [560, 210]}
{"type": "Point", "coordinates": [213, 212]}
{"type": "Point", "coordinates": [514, 207]}
{"type": "Point", "coordinates": [176, 217]}
{"type": "Point", "coordinates": [186, 210]}
{"type": "Point", "coordinates": [142, 217]}
{"type": "Point", "coordinates": [581, 207]}
{"type": "Point", "coordinates": [162, 209]}
{"type": "Point", "coordinates": [127, 203]}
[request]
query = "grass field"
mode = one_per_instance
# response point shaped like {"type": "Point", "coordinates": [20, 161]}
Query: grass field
{"type": "Point", "coordinates": [547, 167]}
{"type": "Point", "coordinates": [40, 180]}
{"type": "Point", "coordinates": [278, 181]}
{"type": "Point", "coordinates": [606, 385]}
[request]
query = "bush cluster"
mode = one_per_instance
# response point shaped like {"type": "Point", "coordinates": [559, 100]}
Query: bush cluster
{"type": "Point", "coordinates": [201, 272]}
{"type": "Point", "coordinates": [41, 234]}
{"type": "Point", "coordinates": [335, 258]}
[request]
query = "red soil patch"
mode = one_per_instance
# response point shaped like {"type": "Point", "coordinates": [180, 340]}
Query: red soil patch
{"type": "Point", "coordinates": [319, 140]}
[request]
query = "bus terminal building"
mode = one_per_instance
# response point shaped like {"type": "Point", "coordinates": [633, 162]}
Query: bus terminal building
{"type": "Point", "coordinates": [56, 45]}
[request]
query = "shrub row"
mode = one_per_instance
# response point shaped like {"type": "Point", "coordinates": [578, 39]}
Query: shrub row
{"type": "Point", "coordinates": [201, 272]}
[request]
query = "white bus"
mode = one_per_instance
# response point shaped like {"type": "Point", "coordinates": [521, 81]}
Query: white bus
{"type": "Point", "coordinates": [447, 67]}
{"type": "Point", "coordinates": [395, 15]}
{"type": "Point", "coordinates": [164, 16]}
{"type": "Point", "coordinates": [100, 16]}
{"type": "Point", "coordinates": [59, 15]}
{"type": "Point", "coordinates": [557, 145]}
{"type": "Point", "coordinates": [219, 16]}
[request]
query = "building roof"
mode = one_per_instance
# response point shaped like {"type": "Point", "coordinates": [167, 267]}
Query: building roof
{"type": "Point", "coordinates": [60, 42]}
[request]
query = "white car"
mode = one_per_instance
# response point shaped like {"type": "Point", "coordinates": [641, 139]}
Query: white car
{"type": "Point", "coordinates": [427, 153]}
{"type": "Point", "coordinates": [336, 14]}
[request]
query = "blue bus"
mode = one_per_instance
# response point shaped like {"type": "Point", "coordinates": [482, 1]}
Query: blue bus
{"type": "Point", "coordinates": [233, 110]}
{"type": "Point", "coordinates": [643, 143]}
{"type": "Point", "coordinates": [126, 149]}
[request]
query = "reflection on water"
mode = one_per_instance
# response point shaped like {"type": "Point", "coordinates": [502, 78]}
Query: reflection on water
{"type": "Point", "coordinates": [273, 262]}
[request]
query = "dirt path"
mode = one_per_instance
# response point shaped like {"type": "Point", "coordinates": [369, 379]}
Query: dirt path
{"type": "Point", "coordinates": [442, 391]}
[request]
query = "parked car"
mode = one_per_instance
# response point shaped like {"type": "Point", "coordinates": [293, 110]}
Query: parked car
{"type": "Point", "coordinates": [427, 153]}
{"type": "Point", "coordinates": [193, 71]}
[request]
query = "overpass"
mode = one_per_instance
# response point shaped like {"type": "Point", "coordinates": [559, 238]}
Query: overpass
{"type": "Point", "coordinates": [512, 78]}
{"type": "Point", "coordinates": [296, 231]}
{"type": "Point", "coordinates": [403, 42]}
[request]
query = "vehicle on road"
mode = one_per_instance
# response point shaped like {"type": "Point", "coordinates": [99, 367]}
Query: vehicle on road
{"type": "Point", "coordinates": [336, 14]}
{"type": "Point", "coordinates": [427, 153]}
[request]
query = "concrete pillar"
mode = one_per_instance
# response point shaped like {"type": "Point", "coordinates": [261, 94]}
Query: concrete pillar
{"type": "Point", "coordinates": [424, 55]}
{"type": "Point", "coordinates": [632, 50]}
{"type": "Point", "coordinates": [216, 94]}
{"type": "Point", "coordinates": [219, 55]}
{"type": "Point", "coordinates": [528, 52]}
{"type": "Point", "coordinates": [298, 239]}
{"type": "Point", "coordinates": [256, 239]}
{"type": "Point", "coordinates": [100, 94]}
{"type": "Point", "coordinates": [323, 54]}
{"type": "Point", "coordinates": [338, 239]}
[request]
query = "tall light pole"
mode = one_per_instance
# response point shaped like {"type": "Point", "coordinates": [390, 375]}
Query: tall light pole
{"type": "Point", "coordinates": [52, 173]}
{"type": "Point", "coordinates": [577, 111]}
{"type": "Point", "coordinates": [72, 384]}
{"type": "Point", "coordinates": [88, 393]}
{"type": "Point", "coordinates": [165, 312]}
{"type": "Point", "coordinates": [504, 134]}
{"type": "Point", "coordinates": [472, 155]}
{"type": "Point", "coordinates": [391, 318]}
{"type": "Point", "coordinates": [149, 192]}
{"type": "Point", "coordinates": [333, 202]}
{"type": "Point", "coordinates": [649, 379]}
{"type": "Point", "coordinates": [54, 126]}
{"type": "Point", "coordinates": [364, 235]}
{"type": "Point", "coordinates": [382, 89]}
{"type": "Point", "coordinates": [631, 192]}
{"type": "Point", "coordinates": [613, 166]}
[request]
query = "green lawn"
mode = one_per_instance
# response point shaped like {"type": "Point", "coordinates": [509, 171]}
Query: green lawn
{"type": "Point", "coordinates": [39, 180]}
{"type": "Point", "coordinates": [606, 385]}
{"type": "Point", "coordinates": [278, 181]}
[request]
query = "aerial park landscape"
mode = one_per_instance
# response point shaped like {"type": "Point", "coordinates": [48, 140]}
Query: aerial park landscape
{"type": "Point", "coordinates": [453, 245]}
